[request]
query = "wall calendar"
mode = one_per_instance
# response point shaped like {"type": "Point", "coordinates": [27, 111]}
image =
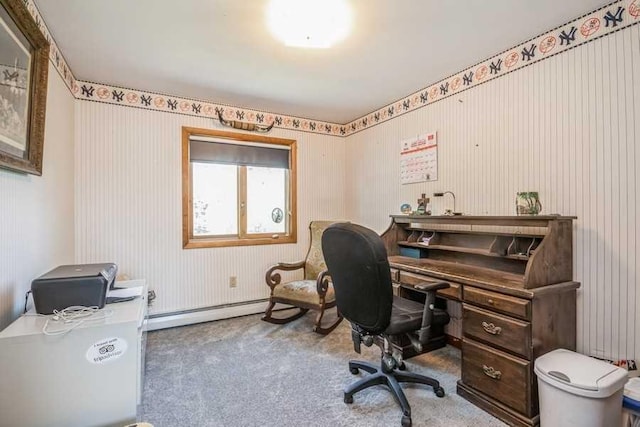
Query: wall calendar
{"type": "Point", "coordinates": [419, 159]}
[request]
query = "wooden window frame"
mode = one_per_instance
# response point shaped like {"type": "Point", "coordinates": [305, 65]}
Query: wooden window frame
{"type": "Point", "coordinates": [189, 241]}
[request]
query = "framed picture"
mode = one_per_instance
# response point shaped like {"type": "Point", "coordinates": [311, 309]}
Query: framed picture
{"type": "Point", "coordinates": [24, 56]}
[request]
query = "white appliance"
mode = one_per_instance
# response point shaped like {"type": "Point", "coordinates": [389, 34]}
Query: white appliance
{"type": "Point", "coordinates": [89, 376]}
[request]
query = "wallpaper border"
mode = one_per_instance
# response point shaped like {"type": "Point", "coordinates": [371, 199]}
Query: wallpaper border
{"type": "Point", "coordinates": [55, 55]}
{"type": "Point", "coordinates": [116, 95]}
{"type": "Point", "coordinates": [111, 94]}
{"type": "Point", "coordinates": [591, 26]}
{"type": "Point", "coordinates": [604, 21]}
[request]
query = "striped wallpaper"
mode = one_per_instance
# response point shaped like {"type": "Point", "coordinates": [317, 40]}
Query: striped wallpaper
{"type": "Point", "coordinates": [566, 127]}
{"type": "Point", "coordinates": [36, 212]}
{"type": "Point", "coordinates": [129, 206]}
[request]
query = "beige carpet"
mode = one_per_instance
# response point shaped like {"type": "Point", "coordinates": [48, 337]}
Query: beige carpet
{"type": "Point", "coordinates": [245, 372]}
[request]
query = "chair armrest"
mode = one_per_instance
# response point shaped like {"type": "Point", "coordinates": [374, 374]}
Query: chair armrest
{"type": "Point", "coordinates": [274, 278]}
{"type": "Point", "coordinates": [431, 286]}
{"type": "Point", "coordinates": [322, 282]}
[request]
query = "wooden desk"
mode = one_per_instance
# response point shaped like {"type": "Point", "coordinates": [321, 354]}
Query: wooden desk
{"type": "Point", "coordinates": [513, 276]}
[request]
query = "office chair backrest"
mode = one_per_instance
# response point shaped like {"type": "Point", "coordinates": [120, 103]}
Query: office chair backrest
{"type": "Point", "coordinates": [357, 262]}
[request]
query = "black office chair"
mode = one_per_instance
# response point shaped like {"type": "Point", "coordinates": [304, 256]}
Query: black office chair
{"type": "Point", "coordinates": [357, 262]}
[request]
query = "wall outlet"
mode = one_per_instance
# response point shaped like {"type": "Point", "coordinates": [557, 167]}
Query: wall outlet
{"type": "Point", "coordinates": [233, 281]}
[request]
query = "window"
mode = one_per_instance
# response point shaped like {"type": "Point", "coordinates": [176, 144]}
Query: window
{"type": "Point", "coordinates": [237, 189]}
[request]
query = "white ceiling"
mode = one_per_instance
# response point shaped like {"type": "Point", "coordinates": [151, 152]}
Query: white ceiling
{"type": "Point", "coordinates": [221, 50]}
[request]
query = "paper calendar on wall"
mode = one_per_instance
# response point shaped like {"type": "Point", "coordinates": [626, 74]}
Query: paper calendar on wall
{"type": "Point", "coordinates": [419, 159]}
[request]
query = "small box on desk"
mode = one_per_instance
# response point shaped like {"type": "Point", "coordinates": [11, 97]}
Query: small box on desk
{"type": "Point", "coordinates": [69, 285]}
{"type": "Point", "coordinates": [411, 252]}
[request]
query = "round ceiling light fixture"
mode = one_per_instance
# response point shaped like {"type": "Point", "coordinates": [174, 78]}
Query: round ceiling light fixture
{"type": "Point", "coordinates": [309, 23]}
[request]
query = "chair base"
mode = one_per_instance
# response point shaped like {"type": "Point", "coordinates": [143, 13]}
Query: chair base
{"type": "Point", "coordinates": [281, 321]}
{"type": "Point", "coordinates": [403, 345]}
{"type": "Point", "coordinates": [392, 379]}
{"type": "Point", "coordinates": [318, 328]}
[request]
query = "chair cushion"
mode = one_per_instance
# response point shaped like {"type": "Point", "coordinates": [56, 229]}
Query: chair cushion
{"type": "Point", "coordinates": [303, 291]}
{"type": "Point", "coordinates": [406, 316]}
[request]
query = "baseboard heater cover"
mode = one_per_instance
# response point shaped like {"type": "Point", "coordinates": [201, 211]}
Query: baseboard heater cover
{"type": "Point", "coordinates": [205, 314]}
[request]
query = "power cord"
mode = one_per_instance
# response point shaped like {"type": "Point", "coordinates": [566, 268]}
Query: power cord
{"type": "Point", "coordinates": [26, 300]}
{"type": "Point", "coordinates": [151, 295]}
{"type": "Point", "coordinates": [74, 316]}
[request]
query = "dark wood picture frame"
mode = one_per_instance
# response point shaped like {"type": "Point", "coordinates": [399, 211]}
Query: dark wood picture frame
{"type": "Point", "coordinates": [18, 26]}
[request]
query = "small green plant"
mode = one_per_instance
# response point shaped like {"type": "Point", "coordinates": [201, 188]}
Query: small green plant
{"type": "Point", "coordinates": [527, 203]}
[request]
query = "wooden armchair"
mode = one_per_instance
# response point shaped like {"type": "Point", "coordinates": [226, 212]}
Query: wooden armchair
{"type": "Point", "coordinates": [314, 292]}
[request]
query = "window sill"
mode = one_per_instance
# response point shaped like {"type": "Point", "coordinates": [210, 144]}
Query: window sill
{"type": "Point", "coordinates": [199, 243]}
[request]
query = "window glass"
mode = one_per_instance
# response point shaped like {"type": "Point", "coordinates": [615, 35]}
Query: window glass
{"type": "Point", "coordinates": [266, 200]}
{"type": "Point", "coordinates": [215, 199]}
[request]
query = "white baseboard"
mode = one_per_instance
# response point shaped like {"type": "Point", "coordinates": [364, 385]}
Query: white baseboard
{"type": "Point", "coordinates": [206, 315]}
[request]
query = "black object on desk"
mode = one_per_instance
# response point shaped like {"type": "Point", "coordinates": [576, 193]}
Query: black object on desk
{"type": "Point", "coordinates": [69, 285]}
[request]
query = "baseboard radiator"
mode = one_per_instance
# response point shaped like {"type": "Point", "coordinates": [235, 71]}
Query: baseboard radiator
{"type": "Point", "coordinates": [205, 314]}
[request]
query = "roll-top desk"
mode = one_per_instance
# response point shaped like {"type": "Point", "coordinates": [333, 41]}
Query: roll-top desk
{"type": "Point", "coordinates": [513, 276]}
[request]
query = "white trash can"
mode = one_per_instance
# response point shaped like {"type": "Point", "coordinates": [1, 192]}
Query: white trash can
{"type": "Point", "coordinates": [631, 403]}
{"type": "Point", "coordinates": [578, 391]}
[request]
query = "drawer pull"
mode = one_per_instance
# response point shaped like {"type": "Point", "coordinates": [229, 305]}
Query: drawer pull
{"type": "Point", "coordinates": [492, 329]}
{"type": "Point", "coordinates": [490, 301]}
{"type": "Point", "coordinates": [491, 372]}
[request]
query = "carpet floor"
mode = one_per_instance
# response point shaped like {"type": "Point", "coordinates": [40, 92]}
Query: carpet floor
{"type": "Point", "coordinates": [245, 372]}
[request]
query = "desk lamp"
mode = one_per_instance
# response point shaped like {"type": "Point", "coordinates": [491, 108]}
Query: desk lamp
{"type": "Point", "coordinates": [449, 211]}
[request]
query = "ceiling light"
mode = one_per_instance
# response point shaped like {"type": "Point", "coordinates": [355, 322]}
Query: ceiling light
{"type": "Point", "coordinates": [309, 23]}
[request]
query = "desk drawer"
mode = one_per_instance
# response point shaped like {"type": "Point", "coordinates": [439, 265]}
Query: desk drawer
{"type": "Point", "coordinates": [500, 331]}
{"type": "Point", "coordinates": [504, 303]}
{"type": "Point", "coordinates": [453, 292]}
{"type": "Point", "coordinates": [501, 376]}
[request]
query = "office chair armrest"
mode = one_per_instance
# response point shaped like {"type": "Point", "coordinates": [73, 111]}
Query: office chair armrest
{"type": "Point", "coordinates": [429, 288]}
{"type": "Point", "coordinates": [322, 282]}
{"type": "Point", "coordinates": [274, 278]}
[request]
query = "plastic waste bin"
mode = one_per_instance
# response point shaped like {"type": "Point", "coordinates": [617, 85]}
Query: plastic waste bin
{"type": "Point", "coordinates": [631, 403]}
{"type": "Point", "coordinates": [577, 390]}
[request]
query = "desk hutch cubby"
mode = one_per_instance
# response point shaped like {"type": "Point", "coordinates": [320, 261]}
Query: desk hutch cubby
{"type": "Point", "coordinates": [513, 276]}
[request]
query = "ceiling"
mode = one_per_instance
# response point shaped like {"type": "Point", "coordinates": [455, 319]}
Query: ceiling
{"type": "Point", "coordinates": [222, 51]}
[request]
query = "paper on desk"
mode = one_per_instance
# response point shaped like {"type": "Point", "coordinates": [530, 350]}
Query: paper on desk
{"type": "Point", "coordinates": [134, 291]}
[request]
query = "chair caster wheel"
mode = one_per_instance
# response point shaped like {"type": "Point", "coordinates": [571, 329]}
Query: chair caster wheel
{"type": "Point", "coordinates": [406, 421]}
{"type": "Point", "coordinates": [402, 367]}
{"type": "Point", "coordinates": [354, 371]}
{"type": "Point", "coordinates": [439, 392]}
{"type": "Point", "coordinates": [348, 399]}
